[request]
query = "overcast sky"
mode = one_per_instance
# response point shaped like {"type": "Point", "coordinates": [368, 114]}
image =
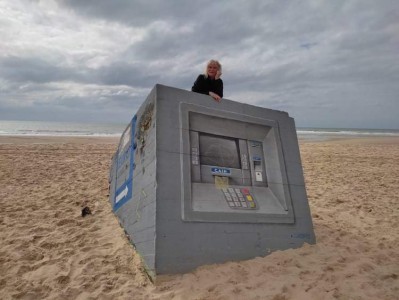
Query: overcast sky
{"type": "Point", "coordinates": [327, 63]}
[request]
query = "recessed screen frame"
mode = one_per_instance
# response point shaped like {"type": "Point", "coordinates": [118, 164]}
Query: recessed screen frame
{"type": "Point", "coordinates": [219, 151]}
{"type": "Point", "coordinates": [196, 119]}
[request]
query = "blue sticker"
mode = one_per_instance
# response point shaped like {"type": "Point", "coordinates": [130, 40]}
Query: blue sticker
{"type": "Point", "coordinates": [220, 171]}
{"type": "Point", "coordinates": [300, 236]}
{"type": "Point", "coordinates": [124, 192]}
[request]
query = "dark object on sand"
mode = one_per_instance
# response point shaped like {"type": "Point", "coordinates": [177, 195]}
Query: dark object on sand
{"type": "Point", "coordinates": [86, 211]}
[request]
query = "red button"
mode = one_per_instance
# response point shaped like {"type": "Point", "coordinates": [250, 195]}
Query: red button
{"type": "Point", "coordinates": [245, 191]}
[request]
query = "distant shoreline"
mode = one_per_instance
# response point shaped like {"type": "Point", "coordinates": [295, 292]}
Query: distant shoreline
{"type": "Point", "coordinates": [18, 139]}
{"type": "Point", "coordinates": [42, 130]}
{"type": "Point", "coordinates": [24, 139]}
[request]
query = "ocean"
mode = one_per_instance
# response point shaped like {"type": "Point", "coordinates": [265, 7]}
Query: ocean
{"type": "Point", "coordinates": [37, 128]}
{"type": "Point", "coordinates": [309, 133]}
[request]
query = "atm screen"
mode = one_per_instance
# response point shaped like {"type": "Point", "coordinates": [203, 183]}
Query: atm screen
{"type": "Point", "coordinates": [219, 151]}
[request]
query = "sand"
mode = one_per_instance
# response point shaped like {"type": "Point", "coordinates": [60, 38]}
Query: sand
{"type": "Point", "coordinates": [49, 251]}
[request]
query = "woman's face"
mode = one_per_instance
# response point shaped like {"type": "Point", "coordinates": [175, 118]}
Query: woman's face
{"type": "Point", "coordinates": [212, 70]}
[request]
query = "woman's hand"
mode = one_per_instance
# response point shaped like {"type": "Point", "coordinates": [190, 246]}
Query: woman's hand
{"type": "Point", "coordinates": [218, 74]}
{"type": "Point", "coordinates": [216, 97]}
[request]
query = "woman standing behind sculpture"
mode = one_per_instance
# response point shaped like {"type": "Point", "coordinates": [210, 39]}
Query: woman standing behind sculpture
{"type": "Point", "coordinates": [210, 83]}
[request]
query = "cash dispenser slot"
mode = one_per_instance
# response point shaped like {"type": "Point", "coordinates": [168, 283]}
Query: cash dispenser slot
{"type": "Point", "coordinates": [257, 160]}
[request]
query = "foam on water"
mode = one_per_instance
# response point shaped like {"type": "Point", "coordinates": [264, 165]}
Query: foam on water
{"type": "Point", "coordinates": [40, 128]}
{"type": "Point", "coordinates": [32, 128]}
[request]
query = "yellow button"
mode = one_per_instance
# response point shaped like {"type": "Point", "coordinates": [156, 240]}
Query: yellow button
{"type": "Point", "coordinates": [252, 205]}
{"type": "Point", "coordinates": [249, 197]}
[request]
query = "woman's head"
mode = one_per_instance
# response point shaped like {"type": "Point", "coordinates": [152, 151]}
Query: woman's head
{"type": "Point", "coordinates": [212, 67]}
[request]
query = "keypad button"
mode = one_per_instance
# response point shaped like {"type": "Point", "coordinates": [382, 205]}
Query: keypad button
{"type": "Point", "coordinates": [239, 198]}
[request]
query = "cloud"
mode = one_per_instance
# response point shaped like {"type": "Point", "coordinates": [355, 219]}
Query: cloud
{"type": "Point", "coordinates": [97, 59]}
{"type": "Point", "coordinates": [34, 69]}
{"type": "Point", "coordinates": [137, 13]}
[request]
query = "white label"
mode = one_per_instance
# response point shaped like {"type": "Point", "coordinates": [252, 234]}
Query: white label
{"type": "Point", "coordinates": [121, 195]}
{"type": "Point", "coordinates": [258, 176]}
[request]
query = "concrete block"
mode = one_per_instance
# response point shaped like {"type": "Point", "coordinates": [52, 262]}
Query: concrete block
{"type": "Point", "coordinates": [182, 201]}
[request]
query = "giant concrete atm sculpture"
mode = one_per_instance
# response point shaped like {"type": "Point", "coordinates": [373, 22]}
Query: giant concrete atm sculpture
{"type": "Point", "coordinates": [197, 182]}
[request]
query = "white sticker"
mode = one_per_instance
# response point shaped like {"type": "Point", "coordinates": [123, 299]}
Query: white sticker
{"type": "Point", "coordinates": [258, 176]}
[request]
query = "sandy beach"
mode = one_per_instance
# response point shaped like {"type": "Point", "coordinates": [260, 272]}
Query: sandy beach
{"type": "Point", "coordinates": [49, 251]}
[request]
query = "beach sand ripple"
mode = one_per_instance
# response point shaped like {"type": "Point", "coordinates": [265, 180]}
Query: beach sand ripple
{"type": "Point", "coordinates": [49, 251]}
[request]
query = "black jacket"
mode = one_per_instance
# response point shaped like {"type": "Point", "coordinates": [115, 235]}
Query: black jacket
{"type": "Point", "coordinates": [205, 85]}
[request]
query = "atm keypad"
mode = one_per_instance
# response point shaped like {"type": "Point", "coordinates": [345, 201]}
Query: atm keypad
{"type": "Point", "coordinates": [239, 198]}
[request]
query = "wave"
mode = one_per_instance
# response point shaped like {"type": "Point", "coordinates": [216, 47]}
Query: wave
{"type": "Point", "coordinates": [349, 132]}
{"type": "Point", "coordinates": [40, 128]}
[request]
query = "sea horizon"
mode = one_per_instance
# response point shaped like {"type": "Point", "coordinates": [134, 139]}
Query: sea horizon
{"type": "Point", "coordinates": [97, 129]}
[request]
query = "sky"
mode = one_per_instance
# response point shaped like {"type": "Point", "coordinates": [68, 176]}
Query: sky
{"type": "Point", "coordinates": [328, 63]}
